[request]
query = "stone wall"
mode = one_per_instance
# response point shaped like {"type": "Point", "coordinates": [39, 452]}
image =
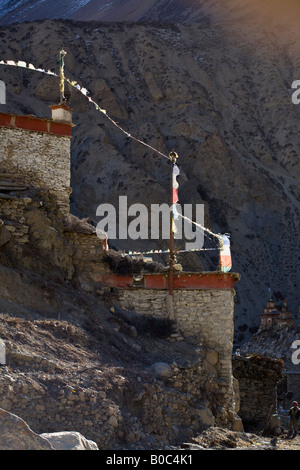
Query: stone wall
{"type": "Point", "coordinates": [258, 377]}
{"type": "Point", "coordinates": [159, 407]}
{"type": "Point", "coordinates": [43, 162]}
{"type": "Point", "coordinates": [292, 386]}
{"type": "Point", "coordinates": [12, 212]}
{"type": "Point", "coordinates": [201, 315]}
{"type": "Point", "coordinates": [88, 253]}
{"type": "Point", "coordinates": [59, 408]}
{"type": "Point", "coordinates": [31, 221]}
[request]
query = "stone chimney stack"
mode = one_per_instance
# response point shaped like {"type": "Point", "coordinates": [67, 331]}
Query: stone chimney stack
{"type": "Point", "coordinates": [61, 113]}
{"type": "Point", "coordinates": [2, 92]}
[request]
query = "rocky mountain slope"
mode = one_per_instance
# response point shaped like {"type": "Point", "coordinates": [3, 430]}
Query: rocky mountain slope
{"type": "Point", "coordinates": [174, 11]}
{"type": "Point", "coordinates": [219, 94]}
{"type": "Point", "coordinates": [275, 343]}
{"type": "Point", "coordinates": [100, 10]}
{"type": "Point", "coordinates": [171, 11]}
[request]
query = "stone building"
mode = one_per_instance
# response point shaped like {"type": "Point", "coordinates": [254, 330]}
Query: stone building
{"type": "Point", "coordinates": [35, 177]}
{"type": "Point", "coordinates": [202, 307]}
{"type": "Point", "coordinates": [275, 317]}
{"type": "Point", "coordinates": [34, 209]}
{"type": "Point", "coordinates": [35, 152]}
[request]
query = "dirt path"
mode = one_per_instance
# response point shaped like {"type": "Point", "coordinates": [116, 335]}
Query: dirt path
{"type": "Point", "coordinates": [216, 438]}
{"type": "Point", "coordinates": [288, 444]}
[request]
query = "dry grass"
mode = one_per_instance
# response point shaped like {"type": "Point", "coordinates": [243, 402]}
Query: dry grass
{"type": "Point", "coordinates": [74, 224]}
{"type": "Point", "coordinates": [124, 264]}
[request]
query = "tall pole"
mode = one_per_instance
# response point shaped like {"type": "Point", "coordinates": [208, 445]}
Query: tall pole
{"type": "Point", "coordinates": [62, 76]}
{"type": "Point", "coordinates": [173, 157]}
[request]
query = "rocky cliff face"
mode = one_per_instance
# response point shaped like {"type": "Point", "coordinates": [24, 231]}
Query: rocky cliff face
{"type": "Point", "coordinates": [174, 11]}
{"type": "Point", "coordinates": [219, 94]}
{"type": "Point", "coordinates": [171, 11]}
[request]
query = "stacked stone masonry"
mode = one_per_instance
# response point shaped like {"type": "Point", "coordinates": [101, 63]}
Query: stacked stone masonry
{"type": "Point", "coordinates": [258, 377]}
{"type": "Point", "coordinates": [206, 314]}
{"type": "Point", "coordinates": [87, 259]}
{"type": "Point", "coordinates": [12, 213]}
{"type": "Point", "coordinates": [64, 408]}
{"type": "Point", "coordinates": [38, 159]}
{"type": "Point", "coordinates": [171, 408]}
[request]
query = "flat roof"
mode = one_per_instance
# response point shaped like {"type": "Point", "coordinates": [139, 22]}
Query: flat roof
{"type": "Point", "coordinates": [32, 123]}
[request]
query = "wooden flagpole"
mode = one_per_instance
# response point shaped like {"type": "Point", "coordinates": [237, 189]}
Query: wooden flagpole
{"type": "Point", "coordinates": [173, 157]}
{"type": "Point", "coordinates": [62, 76]}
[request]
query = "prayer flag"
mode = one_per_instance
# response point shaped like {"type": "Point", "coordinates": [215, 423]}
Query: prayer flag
{"type": "Point", "coordinates": [175, 184]}
{"type": "Point", "coordinates": [174, 196]}
{"type": "Point", "coordinates": [225, 255]}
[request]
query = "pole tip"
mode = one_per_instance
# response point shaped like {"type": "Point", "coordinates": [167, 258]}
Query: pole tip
{"type": "Point", "coordinates": [173, 156]}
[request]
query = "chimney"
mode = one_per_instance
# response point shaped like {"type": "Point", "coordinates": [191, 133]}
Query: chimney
{"type": "Point", "coordinates": [2, 92]}
{"type": "Point", "coordinates": [61, 113]}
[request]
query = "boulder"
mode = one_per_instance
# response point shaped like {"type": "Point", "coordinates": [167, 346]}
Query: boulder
{"type": "Point", "coordinates": [69, 440]}
{"type": "Point", "coordinates": [206, 417]}
{"type": "Point", "coordinates": [210, 369]}
{"type": "Point", "coordinates": [162, 369]}
{"type": "Point", "coordinates": [237, 424]}
{"type": "Point", "coordinates": [15, 434]}
{"type": "Point", "coordinates": [212, 357]}
{"type": "Point", "coordinates": [274, 425]}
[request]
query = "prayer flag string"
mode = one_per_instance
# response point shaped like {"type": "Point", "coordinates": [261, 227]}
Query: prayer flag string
{"type": "Point", "coordinates": [82, 90]}
{"type": "Point", "coordinates": [223, 240]}
{"type": "Point", "coordinates": [160, 252]}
